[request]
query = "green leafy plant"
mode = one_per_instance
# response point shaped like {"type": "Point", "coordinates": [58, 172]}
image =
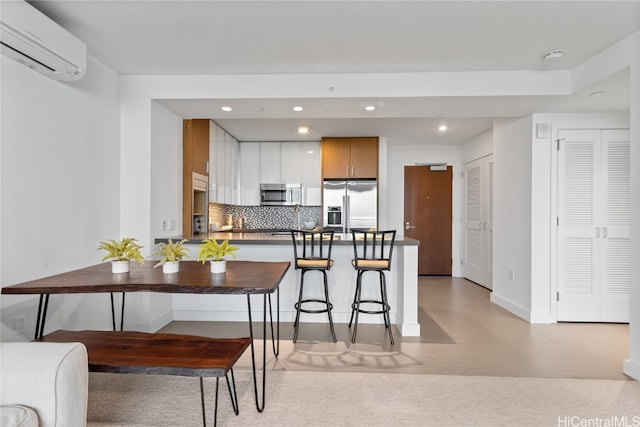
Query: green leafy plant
{"type": "Point", "coordinates": [123, 250]}
{"type": "Point", "coordinates": [211, 250]}
{"type": "Point", "coordinates": [171, 252]}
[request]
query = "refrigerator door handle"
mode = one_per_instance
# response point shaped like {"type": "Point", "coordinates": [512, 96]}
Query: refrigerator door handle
{"type": "Point", "coordinates": [345, 208]}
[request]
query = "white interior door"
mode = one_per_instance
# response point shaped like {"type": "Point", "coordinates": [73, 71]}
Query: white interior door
{"type": "Point", "coordinates": [616, 231]}
{"type": "Point", "coordinates": [593, 220]}
{"type": "Point", "coordinates": [577, 297]}
{"type": "Point", "coordinates": [488, 222]}
{"type": "Point", "coordinates": [473, 258]}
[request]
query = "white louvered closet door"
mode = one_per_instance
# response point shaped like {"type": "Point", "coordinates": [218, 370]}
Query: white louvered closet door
{"type": "Point", "coordinates": [477, 220]}
{"type": "Point", "coordinates": [472, 220]}
{"type": "Point", "coordinates": [593, 225]}
{"type": "Point", "coordinates": [616, 231]}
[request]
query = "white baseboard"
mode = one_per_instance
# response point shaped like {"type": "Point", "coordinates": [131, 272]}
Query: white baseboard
{"type": "Point", "coordinates": [409, 329]}
{"type": "Point", "coordinates": [632, 369]}
{"type": "Point", "coordinates": [511, 307]}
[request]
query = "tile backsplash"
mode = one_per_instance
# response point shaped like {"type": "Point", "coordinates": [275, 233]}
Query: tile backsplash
{"type": "Point", "coordinates": [269, 217]}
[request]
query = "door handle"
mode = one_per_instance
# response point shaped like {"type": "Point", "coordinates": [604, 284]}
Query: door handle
{"type": "Point", "coordinates": [408, 226]}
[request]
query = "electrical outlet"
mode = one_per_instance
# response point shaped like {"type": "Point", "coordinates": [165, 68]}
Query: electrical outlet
{"type": "Point", "coordinates": [164, 225]}
{"type": "Point", "coordinates": [172, 224]}
{"type": "Point", "coordinates": [18, 325]}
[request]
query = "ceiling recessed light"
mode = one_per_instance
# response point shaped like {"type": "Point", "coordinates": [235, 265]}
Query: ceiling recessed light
{"type": "Point", "coordinates": [370, 108]}
{"type": "Point", "coordinates": [298, 108]}
{"type": "Point", "coordinates": [303, 129]}
{"type": "Point", "coordinates": [226, 108]}
{"type": "Point", "coordinates": [553, 55]}
{"type": "Point", "coordinates": [442, 128]}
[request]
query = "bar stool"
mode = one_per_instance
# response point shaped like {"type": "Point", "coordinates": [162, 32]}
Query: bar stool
{"type": "Point", "coordinates": [312, 252]}
{"type": "Point", "coordinates": [372, 252]}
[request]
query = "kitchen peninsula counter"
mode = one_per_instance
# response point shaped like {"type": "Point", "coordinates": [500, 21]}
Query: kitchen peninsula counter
{"type": "Point", "coordinates": [275, 245]}
{"type": "Point", "coordinates": [268, 237]}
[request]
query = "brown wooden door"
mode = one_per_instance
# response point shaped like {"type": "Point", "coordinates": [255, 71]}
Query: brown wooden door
{"type": "Point", "coordinates": [428, 213]}
{"type": "Point", "coordinates": [364, 158]}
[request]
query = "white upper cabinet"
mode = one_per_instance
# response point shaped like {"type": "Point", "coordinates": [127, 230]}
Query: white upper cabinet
{"type": "Point", "coordinates": [223, 166]}
{"type": "Point", "coordinates": [310, 176]}
{"type": "Point", "coordinates": [269, 162]}
{"type": "Point", "coordinates": [230, 169]}
{"type": "Point", "coordinates": [280, 162]}
{"type": "Point", "coordinates": [290, 163]}
{"type": "Point", "coordinates": [249, 174]}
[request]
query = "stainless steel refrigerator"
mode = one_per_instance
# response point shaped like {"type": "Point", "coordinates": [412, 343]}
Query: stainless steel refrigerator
{"type": "Point", "coordinates": [350, 204]}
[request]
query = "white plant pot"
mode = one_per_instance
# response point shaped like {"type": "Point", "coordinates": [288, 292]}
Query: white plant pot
{"type": "Point", "coordinates": [119, 266]}
{"type": "Point", "coordinates": [218, 267]}
{"type": "Point", "coordinates": [171, 267]}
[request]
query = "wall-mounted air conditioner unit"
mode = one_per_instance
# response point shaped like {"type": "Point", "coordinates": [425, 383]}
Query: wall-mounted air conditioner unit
{"type": "Point", "coordinates": [34, 40]}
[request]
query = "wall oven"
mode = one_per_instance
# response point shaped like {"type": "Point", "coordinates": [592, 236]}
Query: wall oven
{"type": "Point", "coordinates": [280, 194]}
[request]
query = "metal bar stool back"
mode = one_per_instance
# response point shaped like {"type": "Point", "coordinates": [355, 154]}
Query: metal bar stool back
{"type": "Point", "coordinates": [312, 252]}
{"type": "Point", "coordinates": [372, 251]}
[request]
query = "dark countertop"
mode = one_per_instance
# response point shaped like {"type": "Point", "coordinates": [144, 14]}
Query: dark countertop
{"type": "Point", "coordinates": [267, 237]}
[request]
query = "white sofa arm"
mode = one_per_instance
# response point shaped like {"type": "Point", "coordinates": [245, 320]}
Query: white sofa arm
{"type": "Point", "coordinates": [51, 378]}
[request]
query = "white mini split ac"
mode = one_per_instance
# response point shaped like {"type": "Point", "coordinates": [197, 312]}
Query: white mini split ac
{"type": "Point", "coordinates": [34, 40]}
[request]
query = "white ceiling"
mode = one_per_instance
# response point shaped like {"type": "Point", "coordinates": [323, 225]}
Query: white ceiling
{"type": "Point", "coordinates": [299, 37]}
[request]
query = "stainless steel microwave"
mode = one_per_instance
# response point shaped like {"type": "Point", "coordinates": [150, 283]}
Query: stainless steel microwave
{"type": "Point", "coordinates": [280, 194]}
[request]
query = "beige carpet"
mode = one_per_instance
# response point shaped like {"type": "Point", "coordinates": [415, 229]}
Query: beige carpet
{"type": "Point", "coordinates": [359, 399]}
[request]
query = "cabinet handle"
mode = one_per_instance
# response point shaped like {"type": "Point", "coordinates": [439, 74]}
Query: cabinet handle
{"type": "Point", "coordinates": [348, 171]}
{"type": "Point", "coordinates": [597, 231]}
{"type": "Point", "coordinates": [604, 232]}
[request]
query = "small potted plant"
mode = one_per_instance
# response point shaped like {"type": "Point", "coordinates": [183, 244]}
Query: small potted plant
{"type": "Point", "coordinates": [210, 250]}
{"type": "Point", "coordinates": [170, 255]}
{"type": "Point", "coordinates": [121, 253]}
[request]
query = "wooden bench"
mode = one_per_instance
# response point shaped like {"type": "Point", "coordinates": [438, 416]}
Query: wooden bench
{"type": "Point", "coordinates": [161, 354]}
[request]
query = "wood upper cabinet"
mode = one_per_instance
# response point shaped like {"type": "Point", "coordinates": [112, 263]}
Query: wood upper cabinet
{"type": "Point", "coordinates": [195, 140]}
{"type": "Point", "coordinates": [350, 157]}
{"type": "Point", "coordinates": [195, 158]}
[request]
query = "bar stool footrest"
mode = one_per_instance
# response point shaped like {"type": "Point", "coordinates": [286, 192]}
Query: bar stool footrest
{"type": "Point", "coordinates": [298, 306]}
{"type": "Point", "coordinates": [383, 310]}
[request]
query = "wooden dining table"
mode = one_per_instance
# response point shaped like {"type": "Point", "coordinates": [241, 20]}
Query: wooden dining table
{"type": "Point", "coordinates": [242, 278]}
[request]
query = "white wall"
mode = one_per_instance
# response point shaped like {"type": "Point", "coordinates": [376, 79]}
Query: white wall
{"type": "Point", "coordinates": [399, 156]}
{"type": "Point", "coordinates": [166, 203]}
{"type": "Point", "coordinates": [512, 215]}
{"type": "Point", "coordinates": [632, 364]}
{"type": "Point", "coordinates": [60, 186]}
{"type": "Point", "coordinates": [478, 147]}
{"type": "Point", "coordinates": [166, 170]}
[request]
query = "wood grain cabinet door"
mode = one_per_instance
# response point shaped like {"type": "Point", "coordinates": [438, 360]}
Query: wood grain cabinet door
{"type": "Point", "coordinates": [344, 158]}
{"type": "Point", "coordinates": [364, 158]}
{"type": "Point", "coordinates": [335, 157]}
